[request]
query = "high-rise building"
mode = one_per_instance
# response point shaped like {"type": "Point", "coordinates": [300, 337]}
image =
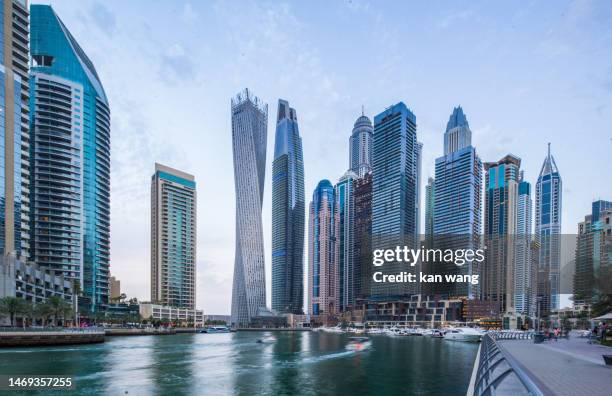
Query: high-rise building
{"type": "Point", "coordinates": [345, 239]}
{"type": "Point", "coordinates": [288, 214]}
{"type": "Point", "coordinates": [14, 130]}
{"type": "Point", "coordinates": [501, 205]}
{"type": "Point", "coordinates": [70, 123]}
{"type": "Point", "coordinates": [430, 196]}
{"type": "Point", "coordinates": [362, 252]}
{"type": "Point", "coordinates": [457, 204]}
{"type": "Point", "coordinates": [394, 193]}
{"type": "Point", "coordinates": [323, 271]}
{"type": "Point", "coordinates": [594, 255]}
{"type": "Point", "coordinates": [249, 137]}
{"type": "Point", "coordinates": [173, 237]}
{"type": "Point", "coordinates": [523, 280]}
{"type": "Point", "coordinates": [548, 231]}
{"type": "Point", "coordinates": [115, 288]}
{"type": "Point", "coordinates": [360, 146]}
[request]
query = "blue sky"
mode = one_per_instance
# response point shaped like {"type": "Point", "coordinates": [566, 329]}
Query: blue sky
{"type": "Point", "coordinates": [525, 73]}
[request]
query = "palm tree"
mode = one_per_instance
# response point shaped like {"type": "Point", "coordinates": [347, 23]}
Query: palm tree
{"type": "Point", "coordinates": [43, 311]}
{"type": "Point", "coordinates": [59, 308]}
{"type": "Point", "coordinates": [12, 306]}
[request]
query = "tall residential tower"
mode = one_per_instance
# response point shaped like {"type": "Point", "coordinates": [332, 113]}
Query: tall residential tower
{"type": "Point", "coordinates": [249, 137]}
{"type": "Point", "coordinates": [360, 146]}
{"type": "Point", "coordinates": [173, 238]}
{"type": "Point", "coordinates": [288, 213]}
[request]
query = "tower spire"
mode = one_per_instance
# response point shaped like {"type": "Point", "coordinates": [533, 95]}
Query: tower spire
{"type": "Point", "coordinates": [362, 112]}
{"type": "Point", "coordinates": [549, 150]}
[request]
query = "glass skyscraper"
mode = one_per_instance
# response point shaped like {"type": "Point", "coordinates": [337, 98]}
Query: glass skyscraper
{"type": "Point", "coordinates": [173, 238]}
{"type": "Point", "coordinates": [14, 130]}
{"type": "Point", "coordinates": [323, 272]}
{"type": "Point", "coordinates": [288, 214]}
{"type": "Point", "coordinates": [395, 158]}
{"type": "Point", "coordinates": [457, 203]}
{"type": "Point", "coordinates": [523, 280]}
{"type": "Point", "coordinates": [548, 201]}
{"type": "Point", "coordinates": [70, 119]}
{"type": "Point", "coordinates": [501, 204]}
{"type": "Point", "coordinates": [360, 146]}
{"type": "Point", "coordinates": [345, 239]}
{"type": "Point", "coordinates": [249, 137]}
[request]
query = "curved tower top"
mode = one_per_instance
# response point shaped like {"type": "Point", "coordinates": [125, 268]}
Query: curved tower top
{"type": "Point", "coordinates": [360, 146]}
{"type": "Point", "coordinates": [458, 134]}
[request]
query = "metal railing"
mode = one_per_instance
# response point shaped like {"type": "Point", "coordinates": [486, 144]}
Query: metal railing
{"type": "Point", "coordinates": [498, 373]}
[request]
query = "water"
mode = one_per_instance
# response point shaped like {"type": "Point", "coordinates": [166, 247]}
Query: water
{"type": "Point", "coordinates": [304, 363]}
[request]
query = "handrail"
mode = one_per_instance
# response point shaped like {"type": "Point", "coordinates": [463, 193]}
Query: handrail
{"type": "Point", "coordinates": [495, 366]}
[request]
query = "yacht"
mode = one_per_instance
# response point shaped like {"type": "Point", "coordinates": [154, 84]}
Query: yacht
{"type": "Point", "coordinates": [375, 330]}
{"type": "Point", "coordinates": [216, 329]}
{"type": "Point", "coordinates": [358, 343]}
{"type": "Point", "coordinates": [466, 334]}
{"type": "Point", "coordinates": [336, 329]}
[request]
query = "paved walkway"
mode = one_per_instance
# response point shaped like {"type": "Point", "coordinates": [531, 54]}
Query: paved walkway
{"type": "Point", "coordinates": [567, 367]}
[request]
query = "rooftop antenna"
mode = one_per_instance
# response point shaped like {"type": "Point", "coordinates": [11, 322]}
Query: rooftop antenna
{"type": "Point", "coordinates": [362, 114]}
{"type": "Point", "coordinates": [549, 150]}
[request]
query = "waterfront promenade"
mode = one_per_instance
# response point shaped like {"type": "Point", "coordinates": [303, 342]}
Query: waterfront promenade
{"type": "Point", "coordinates": [566, 367]}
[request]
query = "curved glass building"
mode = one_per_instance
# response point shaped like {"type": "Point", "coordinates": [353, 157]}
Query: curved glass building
{"type": "Point", "coordinates": [360, 146]}
{"type": "Point", "coordinates": [70, 151]}
{"type": "Point", "coordinates": [288, 211]}
{"type": "Point", "coordinates": [249, 137]}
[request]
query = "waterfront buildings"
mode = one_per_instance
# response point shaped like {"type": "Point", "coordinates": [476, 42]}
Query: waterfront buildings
{"type": "Point", "coordinates": [457, 204]}
{"type": "Point", "coordinates": [360, 146]}
{"type": "Point", "coordinates": [185, 316]}
{"type": "Point", "coordinates": [115, 288]}
{"type": "Point", "coordinates": [594, 255]}
{"type": "Point", "coordinates": [249, 137]}
{"type": "Point", "coordinates": [524, 282]}
{"type": "Point", "coordinates": [547, 230]}
{"type": "Point", "coordinates": [14, 130]}
{"type": "Point", "coordinates": [173, 237]}
{"type": "Point", "coordinates": [501, 203]}
{"type": "Point", "coordinates": [288, 214]}
{"type": "Point", "coordinates": [430, 196]}
{"type": "Point", "coordinates": [323, 271]}
{"type": "Point", "coordinates": [344, 232]}
{"type": "Point", "coordinates": [394, 193]}
{"type": "Point", "coordinates": [70, 123]}
{"type": "Point", "coordinates": [362, 251]}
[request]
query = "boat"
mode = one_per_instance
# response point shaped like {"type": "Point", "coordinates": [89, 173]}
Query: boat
{"type": "Point", "coordinates": [215, 329]}
{"type": "Point", "coordinates": [466, 334]}
{"type": "Point", "coordinates": [266, 340]}
{"type": "Point", "coordinates": [336, 329]}
{"type": "Point", "coordinates": [434, 333]}
{"type": "Point", "coordinates": [358, 343]}
{"type": "Point", "coordinates": [375, 330]}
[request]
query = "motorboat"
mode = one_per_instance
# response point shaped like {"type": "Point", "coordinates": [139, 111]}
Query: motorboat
{"type": "Point", "coordinates": [336, 329]}
{"type": "Point", "coordinates": [358, 343]}
{"type": "Point", "coordinates": [266, 340]}
{"type": "Point", "coordinates": [215, 329]}
{"type": "Point", "coordinates": [466, 334]}
{"type": "Point", "coordinates": [375, 330]}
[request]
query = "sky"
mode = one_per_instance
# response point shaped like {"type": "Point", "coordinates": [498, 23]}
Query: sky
{"type": "Point", "coordinates": [525, 73]}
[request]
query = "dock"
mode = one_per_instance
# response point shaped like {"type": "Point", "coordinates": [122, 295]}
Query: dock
{"type": "Point", "coordinates": [46, 338]}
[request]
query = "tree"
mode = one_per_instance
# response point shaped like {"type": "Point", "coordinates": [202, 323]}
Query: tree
{"type": "Point", "coordinates": [12, 306]}
{"type": "Point", "coordinates": [59, 308]}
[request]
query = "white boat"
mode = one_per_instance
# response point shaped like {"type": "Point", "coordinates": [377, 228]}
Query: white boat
{"type": "Point", "coordinates": [266, 340]}
{"type": "Point", "coordinates": [336, 329]}
{"type": "Point", "coordinates": [216, 329]}
{"type": "Point", "coordinates": [358, 343]}
{"type": "Point", "coordinates": [375, 330]}
{"type": "Point", "coordinates": [466, 334]}
{"type": "Point", "coordinates": [434, 333]}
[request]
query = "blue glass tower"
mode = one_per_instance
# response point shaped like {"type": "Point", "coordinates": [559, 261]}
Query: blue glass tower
{"type": "Point", "coordinates": [288, 213]}
{"type": "Point", "coordinates": [62, 72]}
{"type": "Point", "coordinates": [457, 203]}
{"type": "Point", "coordinates": [345, 240]}
{"type": "Point", "coordinates": [547, 230]}
{"type": "Point", "coordinates": [395, 158]}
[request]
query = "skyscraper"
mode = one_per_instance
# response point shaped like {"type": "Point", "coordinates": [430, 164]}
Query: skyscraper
{"type": "Point", "coordinates": [430, 196]}
{"type": "Point", "coordinates": [14, 130]}
{"type": "Point", "coordinates": [593, 257]}
{"type": "Point", "coordinates": [345, 239]}
{"type": "Point", "coordinates": [70, 122]}
{"type": "Point", "coordinates": [457, 203]}
{"type": "Point", "coordinates": [501, 205]}
{"type": "Point", "coordinates": [394, 193]}
{"type": "Point", "coordinates": [323, 271]}
{"type": "Point", "coordinates": [288, 213]}
{"type": "Point", "coordinates": [362, 252]}
{"type": "Point", "coordinates": [173, 237]}
{"type": "Point", "coordinates": [523, 280]}
{"type": "Point", "coordinates": [249, 137]}
{"type": "Point", "coordinates": [360, 146]}
{"type": "Point", "coordinates": [548, 229]}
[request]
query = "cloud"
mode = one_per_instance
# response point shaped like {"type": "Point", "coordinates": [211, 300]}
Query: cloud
{"type": "Point", "coordinates": [189, 14]}
{"type": "Point", "coordinates": [176, 65]}
{"type": "Point", "coordinates": [103, 18]}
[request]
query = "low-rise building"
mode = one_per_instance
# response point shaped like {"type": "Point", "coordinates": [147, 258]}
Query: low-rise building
{"type": "Point", "coordinates": [184, 316]}
{"type": "Point", "coordinates": [31, 282]}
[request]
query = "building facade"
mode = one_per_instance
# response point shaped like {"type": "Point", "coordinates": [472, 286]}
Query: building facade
{"type": "Point", "coordinates": [457, 204]}
{"type": "Point", "coordinates": [71, 171]}
{"type": "Point", "coordinates": [344, 192]}
{"type": "Point", "coordinates": [288, 214]}
{"type": "Point", "coordinates": [184, 316]}
{"type": "Point", "coordinates": [394, 193]}
{"type": "Point", "coordinates": [549, 191]}
{"type": "Point", "coordinates": [360, 146]}
{"type": "Point", "coordinates": [523, 279]}
{"type": "Point", "coordinates": [249, 138]}
{"type": "Point", "coordinates": [173, 237]}
{"type": "Point", "coordinates": [323, 274]}
{"type": "Point", "coordinates": [501, 205]}
{"type": "Point", "coordinates": [362, 250]}
{"type": "Point", "coordinates": [115, 288]}
{"type": "Point", "coordinates": [14, 130]}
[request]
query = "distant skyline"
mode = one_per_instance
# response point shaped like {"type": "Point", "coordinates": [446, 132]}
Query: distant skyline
{"type": "Point", "coordinates": [525, 75]}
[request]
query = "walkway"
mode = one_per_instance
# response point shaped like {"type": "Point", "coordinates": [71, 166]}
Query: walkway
{"type": "Point", "coordinates": [567, 367]}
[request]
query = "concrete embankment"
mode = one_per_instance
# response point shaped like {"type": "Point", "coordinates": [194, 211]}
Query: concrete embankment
{"type": "Point", "coordinates": [40, 338]}
{"type": "Point", "coordinates": [277, 329]}
{"type": "Point", "coordinates": [139, 332]}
